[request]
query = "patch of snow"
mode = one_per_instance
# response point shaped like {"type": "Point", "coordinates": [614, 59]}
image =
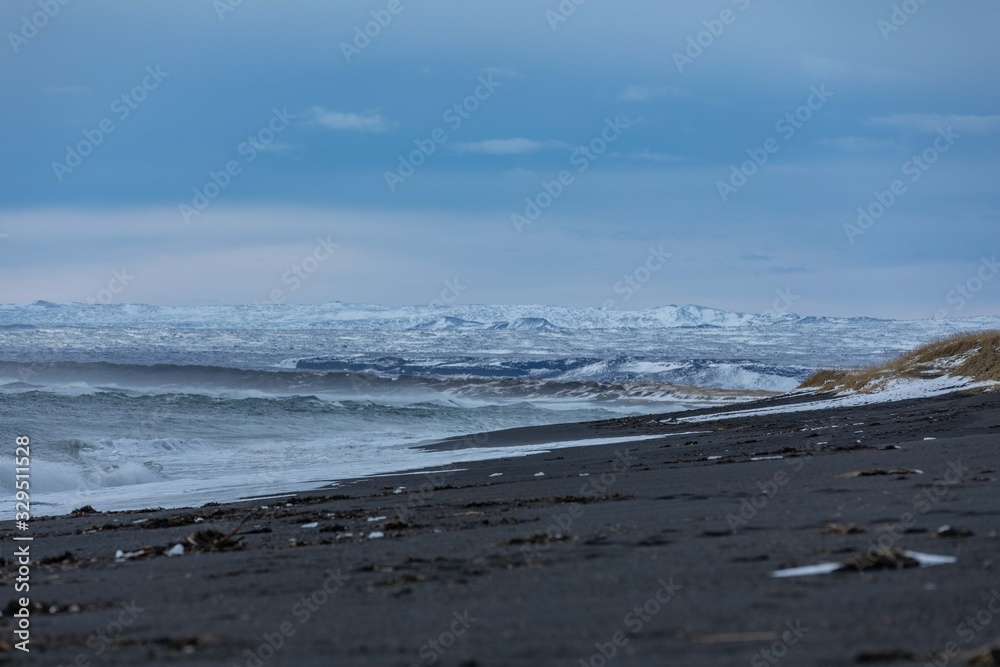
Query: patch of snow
{"type": "Point", "coordinates": [896, 390]}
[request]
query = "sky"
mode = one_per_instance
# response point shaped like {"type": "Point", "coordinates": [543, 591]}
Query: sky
{"type": "Point", "coordinates": [786, 156]}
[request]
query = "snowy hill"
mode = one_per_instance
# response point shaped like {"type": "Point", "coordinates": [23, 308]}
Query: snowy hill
{"type": "Point", "coordinates": [525, 323]}
{"type": "Point", "coordinates": [970, 360]}
{"type": "Point", "coordinates": [446, 324]}
{"type": "Point", "coordinates": [691, 345]}
{"type": "Point", "coordinates": [345, 316]}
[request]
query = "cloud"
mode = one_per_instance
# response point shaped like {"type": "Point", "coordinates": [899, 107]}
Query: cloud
{"type": "Point", "coordinates": [824, 68]}
{"type": "Point", "coordinates": [932, 122]}
{"type": "Point", "coordinates": [645, 93]}
{"type": "Point", "coordinates": [367, 121]}
{"type": "Point", "coordinates": [515, 146]}
{"type": "Point", "coordinates": [854, 144]}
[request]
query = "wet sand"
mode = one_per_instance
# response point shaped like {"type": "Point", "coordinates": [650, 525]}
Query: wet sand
{"type": "Point", "coordinates": [652, 552]}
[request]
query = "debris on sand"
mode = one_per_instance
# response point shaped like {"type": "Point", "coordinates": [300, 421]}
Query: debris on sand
{"type": "Point", "coordinates": [214, 540]}
{"type": "Point", "coordinates": [66, 558]}
{"type": "Point", "coordinates": [83, 511]}
{"type": "Point", "coordinates": [878, 471]}
{"type": "Point", "coordinates": [984, 656]}
{"type": "Point", "coordinates": [156, 523]}
{"type": "Point", "coordinates": [952, 531]}
{"type": "Point", "coordinates": [837, 528]}
{"type": "Point", "coordinates": [536, 538]}
{"type": "Point", "coordinates": [877, 559]}
{"type": "Point", "coordinates": [880, 559]}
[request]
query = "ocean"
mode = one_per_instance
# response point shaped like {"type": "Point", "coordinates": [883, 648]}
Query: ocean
{"type": "Point", "coordinates": [134, 407]}
{"type": "Point", "coordinates": [115, 448]}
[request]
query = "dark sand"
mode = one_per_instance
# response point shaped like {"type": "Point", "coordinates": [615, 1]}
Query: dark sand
{"type": "Point", "coordinates": [526, 570]}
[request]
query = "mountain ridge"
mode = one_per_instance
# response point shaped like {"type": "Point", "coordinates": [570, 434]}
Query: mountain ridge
{"type": "Point", "coordinates": [340, 315]}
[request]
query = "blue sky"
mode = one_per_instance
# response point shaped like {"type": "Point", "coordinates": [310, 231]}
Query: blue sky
{"type": "Point", "coordinates": [677, 152]}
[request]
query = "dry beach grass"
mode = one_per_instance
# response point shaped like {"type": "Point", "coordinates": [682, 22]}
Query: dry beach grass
{"type": "Point", "coordinates": [974, 355]}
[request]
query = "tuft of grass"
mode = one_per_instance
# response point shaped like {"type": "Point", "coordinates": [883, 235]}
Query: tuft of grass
{"type": "Point", "coordinates": [975, 355]}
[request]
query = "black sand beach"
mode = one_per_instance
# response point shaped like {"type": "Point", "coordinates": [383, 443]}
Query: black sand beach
{"type": "Point", "coordinates": [659, 555]}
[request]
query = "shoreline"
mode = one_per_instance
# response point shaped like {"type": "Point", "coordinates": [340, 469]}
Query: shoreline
{"type": "Point", "coordinates": [647, 550]}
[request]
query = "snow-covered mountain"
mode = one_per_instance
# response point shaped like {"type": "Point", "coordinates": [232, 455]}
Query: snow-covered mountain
{"type": "Point", "coordinates": [343, 316]}
{"type": "Point", "coordinates": [690, 345]}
